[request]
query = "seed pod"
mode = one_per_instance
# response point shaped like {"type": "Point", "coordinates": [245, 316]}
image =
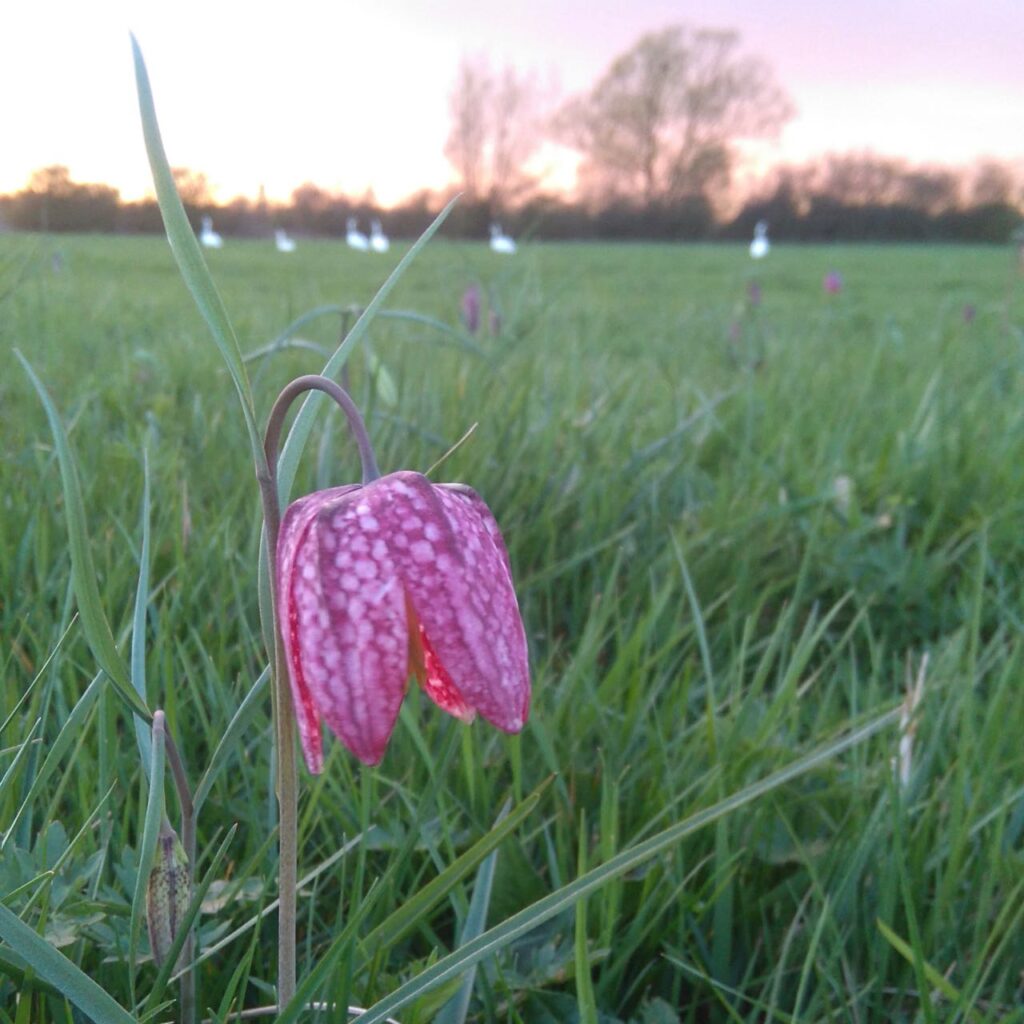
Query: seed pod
{"type": "Point", "coordinates": [167, 895]}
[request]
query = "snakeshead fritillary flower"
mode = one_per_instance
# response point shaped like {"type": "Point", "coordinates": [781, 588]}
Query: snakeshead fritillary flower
{"type": "Point", "coordinates": [399, 573]}
{"type": "Point", "coordinates": [833, 282]}
{"type": "Point", "coordinates": [471, 308]}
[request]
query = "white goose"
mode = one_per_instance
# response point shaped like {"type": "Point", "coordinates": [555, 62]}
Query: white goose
{"type": "Point", "coordinates": [759, 247]}
{"type": "Point", "coordinates": [500, 242]}
{"type": "Point", "coordinates": [283, 242]}
{"type": "Point", "coordinates": [354, 238]}
{"type": "Point", "coordinates": [209, 237]}
{"type": "Point", "coordinates": [378, 240]}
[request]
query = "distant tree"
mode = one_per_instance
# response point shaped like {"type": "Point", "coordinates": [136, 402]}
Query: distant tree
{"type": "Point", "coordinates": [931, 189]}
{"type": "Point", "coordinates": [992, 182]}
{"type": "Point", "coordinates": [53, 181]}
{"type": "Point", "coordinates": [497, 125]}
{"type": "Point", "coordinates": [467, 138]}
{"type": "Point", "coordinates": [662, 122]}
{"type": "Point", "coordinates": [318, 212]}
{"type": "Point", "coordinates": [193, 187]}
{"type": "Point", "coordinates": [859, 179]}
{"type": "Point", "coordinates": [53, 202]}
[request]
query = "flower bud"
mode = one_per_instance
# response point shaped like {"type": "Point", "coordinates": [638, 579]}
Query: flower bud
{"type": "Point", "coordinates": [167, 895]}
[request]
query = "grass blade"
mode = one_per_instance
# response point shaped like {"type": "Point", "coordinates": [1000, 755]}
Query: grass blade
{"type": "Point", "coordinates": [138, 651]}
{"type": "Point", "coordinates": [586, 1002]}
{"type": "Point", "coordinates": [457, 1008]}
{"type": "Point", "coordinates": [934, 975]}
{"type": "Point", "coordinates": [23, 699]}
{"type": "Point", "coordinates": [57, 970]}
{"type": "Point", "coordinates": [392, 928]}
{"type": "Point", "coordinates": [295, 443]}
{"type": "Point", "coordinates": [189, 256]}
{"type": "Point", "coordinates": [23, 748]}
{"type": "Point", "coordinates": [544, 909]}
{"type": "Point", "coordinates": [83, 573]}
{"type": "Point", "coordinates": [227, 744]}
{"type": "Point", "coordinates": [68, 733]}
{"type": "Point", "coordinates": [316, 977]}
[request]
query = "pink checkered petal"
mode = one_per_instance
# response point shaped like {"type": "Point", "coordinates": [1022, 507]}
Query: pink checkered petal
{"type": "Point", "coordinates": [292, 591]}
{"type": "Point", "coordinates": [448, 551]}
{"type": "Point", "coordinates": [359, 644]}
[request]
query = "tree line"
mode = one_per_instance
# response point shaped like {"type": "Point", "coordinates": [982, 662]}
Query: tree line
{"type": "Point", "coordinates": [804, 203]}
{"type": "Point", "coordinates": [657, 140]}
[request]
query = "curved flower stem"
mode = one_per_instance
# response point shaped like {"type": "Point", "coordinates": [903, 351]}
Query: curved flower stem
{"type": "Point", "coordinates": [311, 382]}
{"type": "Point", "coordinates": [284, 716]}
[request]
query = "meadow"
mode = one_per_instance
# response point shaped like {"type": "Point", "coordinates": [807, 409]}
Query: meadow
{"type": "Point", "coordinates": [738, 525]}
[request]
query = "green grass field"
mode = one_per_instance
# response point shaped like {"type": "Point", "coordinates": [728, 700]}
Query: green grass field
{"type": "Point", "coordinates": [704, 604]}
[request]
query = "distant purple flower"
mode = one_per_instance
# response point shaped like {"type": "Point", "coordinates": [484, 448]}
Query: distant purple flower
{"type": "Point", "coordinates": [735, 333]}
{"type": "Point", "coordinates": [833, 283]}
{"type": "Point", "coordinates": [494, 323]}
{"type": "Point", "coordinates": [969, 313]}
{"type": "Point", "coordinates": [754, 293]}
{"type": "Point", "coordinates": [471, 308]}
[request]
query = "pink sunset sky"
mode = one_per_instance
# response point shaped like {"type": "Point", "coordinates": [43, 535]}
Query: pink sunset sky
{"type": "Point", "coordinates": [353, 96]}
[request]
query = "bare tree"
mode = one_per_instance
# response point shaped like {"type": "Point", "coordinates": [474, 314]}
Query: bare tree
{"type": "Point", "coordinates": [192, 186]}
{"type": "Point", "coordinates": [496, 127]}
{"type": "Point", "coordinates": [662, 121]}
{"type": "Point", "coordinates": [467, 140]}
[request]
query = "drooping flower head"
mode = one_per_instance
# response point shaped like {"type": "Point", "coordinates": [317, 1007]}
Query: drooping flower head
{"type": "Point", "coordinates": [373, 581]}
{"type": "Point", "coordinates": [397, 576]}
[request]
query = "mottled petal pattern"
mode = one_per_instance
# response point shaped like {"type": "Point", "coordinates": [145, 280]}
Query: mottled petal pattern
{"type": "Point", "coordinates": [451, 559]}
{"type": "Point", "coordinates": [367, 574]}
{"type": "Point", "coordinates": [293, 528]}
{"type": "Point", "coordinates": [359, 677]}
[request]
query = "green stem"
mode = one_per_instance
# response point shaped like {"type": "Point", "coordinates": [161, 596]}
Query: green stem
{"type": "Point", "coordinates": [284, 715]}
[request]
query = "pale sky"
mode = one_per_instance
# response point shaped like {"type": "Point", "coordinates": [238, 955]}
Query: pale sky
{"type": "Point", "coordinates": [354, 95]}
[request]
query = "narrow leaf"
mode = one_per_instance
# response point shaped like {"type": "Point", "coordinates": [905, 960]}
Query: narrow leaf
{"type": "Point", "coordinates": [23, 748]}
{"type": "Point", "coordinates": [295, 444]}
{"type": "Point", "coordinates": [57, 970]}
{"type": "Point", "coordinates": [138, 654]}
{"type": "Point", "coordinates": [934, 976]}
{"type": "Point", "coordinates": [586, 1002]}
{"type": "Point", "coordinates": [392, 928]}
{"type": "Point", "coordinates": [23, 699]}
{"type": "Point", "coordinates": [457, 1008]}
{"type": "Point", "coordinates": [70, 731]}
{"type": "Point", "coordinates": [83, 573]}
{"type": "Point", "coordinates": [311, 983]}
{"type": "Point", "coordinates": [228, 742]}
{"type": "Point", "coordinates": [189, 256]}
{"type": "Point", "coordinates": [561, 899]}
